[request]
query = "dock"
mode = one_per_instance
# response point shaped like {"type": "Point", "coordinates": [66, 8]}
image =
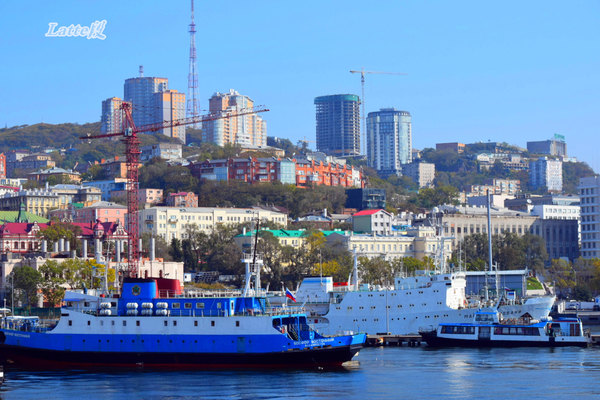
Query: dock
{"type": "Point", "coordinates": [394, 340]}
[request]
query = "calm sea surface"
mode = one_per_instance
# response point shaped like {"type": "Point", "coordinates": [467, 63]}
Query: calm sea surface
{"type": "Point", "coordinates": [383, 373]}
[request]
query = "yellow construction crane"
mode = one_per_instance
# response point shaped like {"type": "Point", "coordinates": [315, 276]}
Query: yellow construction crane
{"type": "Point", "coordinates": [362, 73]}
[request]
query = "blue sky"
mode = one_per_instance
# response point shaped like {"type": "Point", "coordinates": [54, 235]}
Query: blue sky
{"type": "Point", "coordinates": [477, 70]}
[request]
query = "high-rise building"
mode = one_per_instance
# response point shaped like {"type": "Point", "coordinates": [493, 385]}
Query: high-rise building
{"type": "Point", "coordinates": [246, 130]}
{"type": "Point", "coordinates": [338, 124]}
{"type": "Point", "coordinates": [140, 93]}
{"type": "Point", "coordinates": [546, 172]}
{"type": "Point", "coordinates": [111, 117]}
{"type": "Point", "coordinates": [389, 140]}
{"type": "Point", "coordinates": [589, 194]}
{"type": "Point", "coordinates": [169, 106]}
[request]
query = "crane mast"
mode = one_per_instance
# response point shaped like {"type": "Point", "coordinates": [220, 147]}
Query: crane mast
{"type": "Point", "coordinates": [362, 73]}
{"type": "Point", "coordinates": [132, 154]}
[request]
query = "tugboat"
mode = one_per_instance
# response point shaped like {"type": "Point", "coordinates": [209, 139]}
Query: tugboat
{"type": "Point", "coordinates": [489, 330]}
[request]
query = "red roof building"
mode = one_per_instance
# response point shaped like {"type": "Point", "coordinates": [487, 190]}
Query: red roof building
{"type": "Point", "coordinates": [22, 237]}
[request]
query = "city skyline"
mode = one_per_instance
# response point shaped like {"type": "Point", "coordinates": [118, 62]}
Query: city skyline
{"type": "Point", "coordinates": [476, 72]}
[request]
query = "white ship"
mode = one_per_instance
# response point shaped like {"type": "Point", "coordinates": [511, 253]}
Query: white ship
{"type": "Point", "coordinates": [415, 303]}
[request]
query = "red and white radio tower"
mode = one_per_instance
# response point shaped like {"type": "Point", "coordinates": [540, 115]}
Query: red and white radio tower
{"type": "Point", "coordinates": [192, 109]}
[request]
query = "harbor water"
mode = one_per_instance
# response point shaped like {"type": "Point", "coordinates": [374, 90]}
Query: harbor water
{"type": "Point", "coordinates": [381, 373]}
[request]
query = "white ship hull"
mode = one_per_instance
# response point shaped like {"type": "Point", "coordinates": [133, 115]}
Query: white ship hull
{"type": "Point", "coordinates": [416, 304]}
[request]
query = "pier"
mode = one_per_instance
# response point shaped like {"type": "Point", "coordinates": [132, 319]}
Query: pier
{"type": "Point", "coordinates": [394, 340]}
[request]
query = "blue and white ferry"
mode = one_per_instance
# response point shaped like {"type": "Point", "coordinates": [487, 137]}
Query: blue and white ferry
{"type": "Point", "coordinates": [489, 330]}
{"type": "Point", "coordinates": [143, 329]}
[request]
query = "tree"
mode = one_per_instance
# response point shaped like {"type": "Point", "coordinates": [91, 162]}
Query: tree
{"type": "Point", "coordinates": [562, 274]}
{"type": "Point", "coordinates": [52, 282]}
{"type": "Point", "coordinates": [375, 271]}
{"type": "Point", "coordinates": [61, 230]}
{"type": "Point", "coordinates": [175, 250]}
{"type": "Point", "coordinates": [26, 280]}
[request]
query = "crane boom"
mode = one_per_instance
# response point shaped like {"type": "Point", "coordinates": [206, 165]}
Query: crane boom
{"type": "Point", "coordinates": [362, 73]}
{"type": "Point", "coordinates": [132, 152]}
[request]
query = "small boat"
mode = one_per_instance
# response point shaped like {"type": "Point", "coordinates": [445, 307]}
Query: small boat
{"type": "Point", "coordinates": [146, 327]}
{"type": "Point", "coordinates": [489, 330]}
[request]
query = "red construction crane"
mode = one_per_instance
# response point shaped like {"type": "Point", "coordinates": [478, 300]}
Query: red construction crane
{"type": "Point", "coordinates": [132, 152]}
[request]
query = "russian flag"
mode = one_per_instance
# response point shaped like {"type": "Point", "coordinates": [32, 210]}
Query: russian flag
{"type": "Point", "coordinates": [289, 295]}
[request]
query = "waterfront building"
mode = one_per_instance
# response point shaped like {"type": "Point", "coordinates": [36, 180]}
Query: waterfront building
{"type": "Point", "coordinates": [589, 193]}
{"type": "Point", "coordinates": [246, 130]}
{"type": "Point", "coordinates": [140, 93]}
{"type": "Point", "coordinates": [111, 119]}
{"type": "Point", "coordinates": [418, 242]}
{"type": "Point", "coordinates": [546, 173]}
{"type": "Point", "coordinates": [389, 141]}
{"type": "Point", "coordinates": [165, 151]}
{"type": "Point", "coordinates": [338, 124]}
{"type": "Point", "coordinates": [173, 222]}
{"type": "Point", "coordinates": [182, 199]}
{"type": "Point", "coordinates": [553, 147]}
{"type": "Point", "coordinates": [169, 105]}
{"type": "Point", "coordinates": [526, 202]}
{"type": "Point", "coordinates": [422, 173]}
{"type": "Point", "coordinates": [366, 198]}
{"type": "Point", "coordinates": [561, 236]}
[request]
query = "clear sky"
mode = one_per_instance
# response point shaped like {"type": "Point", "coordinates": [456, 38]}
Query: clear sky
{"type": "Point", "coordinates": [477, 70]}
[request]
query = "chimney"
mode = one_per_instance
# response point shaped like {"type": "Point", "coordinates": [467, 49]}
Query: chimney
{"type": "Point", "coordinates": [117, 250]}
{"type": "Point", "coordinates": [97, 249]}
{"type": "Point", "coordinates": [152, 249]}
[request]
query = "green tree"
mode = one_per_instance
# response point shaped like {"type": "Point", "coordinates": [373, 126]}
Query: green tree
{"type": "Point", "coordinates": [61, 230]}
{"type": "Point", "coordinates": [375, 271]}
{"type": "Point", "coordinates": [52, 282]}
{"type": "Point", "coordinates": [562, 274]}
{"type": "Point", "coordinates": [175, 250]}
{"type": "Point", "coordinates": [26, 281]}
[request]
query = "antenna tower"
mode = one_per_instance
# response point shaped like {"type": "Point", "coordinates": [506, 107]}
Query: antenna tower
{"type": "Point", "coordinates": [192, 109]}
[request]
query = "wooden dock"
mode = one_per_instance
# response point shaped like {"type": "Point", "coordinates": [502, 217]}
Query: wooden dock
{"type": "Point", "coordinates": [394, 340]}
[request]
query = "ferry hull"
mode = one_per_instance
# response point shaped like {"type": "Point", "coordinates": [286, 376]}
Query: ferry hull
{"type": "Point", "coordinates": [434, 341]}
{"type": "Point", "coordinates": [32, 358]}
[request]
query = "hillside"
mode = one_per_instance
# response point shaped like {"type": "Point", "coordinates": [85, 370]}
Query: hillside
{"type": "Point", "coordinates": [65, 136]}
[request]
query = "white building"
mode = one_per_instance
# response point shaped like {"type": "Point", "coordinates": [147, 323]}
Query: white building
{"type": "Point", "coordinates": [589, 193]}
{"type": "Point", "coordinates": [546, 172]}
{"type": "Point", "coordinates": [389, 140]}
{"type": "Point", "coordinates": [553, 211]}
{"type": "Point", "coordinates": [417, 242]}
{"type": "Point", "coordinates": [422, 173]}
{"type": "Point", "coordinates": [373, 221]}
{"type": "Point", "coordinates": [166, 151]}
{"type": "Point", "coordinates": [173, 222]}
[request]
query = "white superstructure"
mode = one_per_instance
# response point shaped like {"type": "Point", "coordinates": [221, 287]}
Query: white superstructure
{"type": "Point", "coordinates": [415, 303]}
